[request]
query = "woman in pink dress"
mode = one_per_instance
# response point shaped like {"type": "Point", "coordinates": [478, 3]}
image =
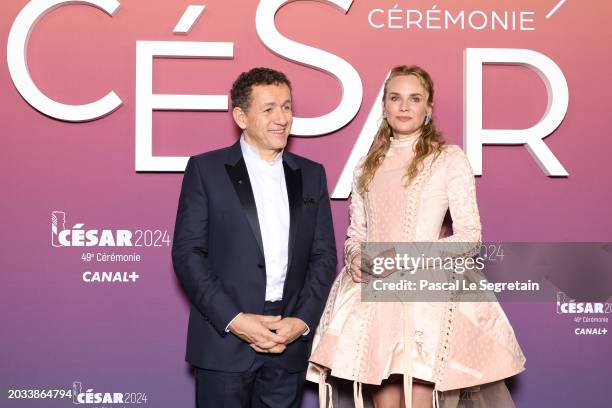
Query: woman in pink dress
{"type": "Point", "coordinates": [414, 354]}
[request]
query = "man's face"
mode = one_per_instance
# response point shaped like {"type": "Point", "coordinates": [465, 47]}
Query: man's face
{"type": "Point", "coordinates": [267, 122]}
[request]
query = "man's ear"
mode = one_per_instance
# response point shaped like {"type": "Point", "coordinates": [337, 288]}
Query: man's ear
{"type": "Point", "coordinates": [239, 117]}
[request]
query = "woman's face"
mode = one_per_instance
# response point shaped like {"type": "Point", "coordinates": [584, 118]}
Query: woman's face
{"type": "Point", "coordinates": [406, 105]}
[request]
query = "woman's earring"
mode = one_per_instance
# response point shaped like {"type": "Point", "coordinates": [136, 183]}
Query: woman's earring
{"type": "Point", "coordinates": [427, 119]}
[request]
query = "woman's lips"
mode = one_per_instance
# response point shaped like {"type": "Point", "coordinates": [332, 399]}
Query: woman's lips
{"type": "Point", "coordinates": [403, 118]}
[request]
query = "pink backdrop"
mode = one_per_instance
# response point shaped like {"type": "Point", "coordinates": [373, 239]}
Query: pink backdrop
{"type": "Point", "coordinates": [130, 337]}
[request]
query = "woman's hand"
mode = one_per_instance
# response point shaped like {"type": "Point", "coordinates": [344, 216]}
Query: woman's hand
{"type": "Point", "coordinates": [361, 268]}
{"type": "Point", "coordinates": [355, 269]}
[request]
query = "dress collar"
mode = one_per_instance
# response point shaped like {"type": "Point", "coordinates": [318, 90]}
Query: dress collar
{"type": "Point", "coordinates": [403, 142]}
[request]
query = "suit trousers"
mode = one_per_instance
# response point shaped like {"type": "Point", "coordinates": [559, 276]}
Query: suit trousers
{"type": "Point", "coordinates": [265, 384]}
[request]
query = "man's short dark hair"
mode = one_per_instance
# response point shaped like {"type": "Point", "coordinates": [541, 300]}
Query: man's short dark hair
{"type": "Point", "coordinates": [243, 85]}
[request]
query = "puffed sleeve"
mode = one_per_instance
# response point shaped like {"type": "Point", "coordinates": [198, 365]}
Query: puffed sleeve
{"type": "Point", "coordinates": [356, 233]}
{"type": "Point", "coordinates": [461, 193]}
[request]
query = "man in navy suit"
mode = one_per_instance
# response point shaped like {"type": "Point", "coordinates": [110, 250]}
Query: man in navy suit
{"type": "Point", "coordinates": [255, 252]}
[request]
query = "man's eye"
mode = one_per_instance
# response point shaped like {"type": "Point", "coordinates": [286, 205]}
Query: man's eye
{"type": "Point", "coordinates": [268, 110]}
{"type": "Point", "coordinates": [288, 108]}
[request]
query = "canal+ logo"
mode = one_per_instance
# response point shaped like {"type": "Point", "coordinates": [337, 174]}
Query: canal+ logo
{"type": "Point", "coordinates": [61, 236]}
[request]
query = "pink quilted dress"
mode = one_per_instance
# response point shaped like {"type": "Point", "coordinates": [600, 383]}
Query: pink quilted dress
{"type": "Point", "coordinates": [458, 346]}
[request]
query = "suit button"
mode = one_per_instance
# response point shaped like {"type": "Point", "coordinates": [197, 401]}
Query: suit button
{"type": "Point", "coordinates": [260, 265]}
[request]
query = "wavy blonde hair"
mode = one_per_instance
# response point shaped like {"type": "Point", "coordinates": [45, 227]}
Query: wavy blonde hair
{"type": "Point", "coordinates": [430, 141]}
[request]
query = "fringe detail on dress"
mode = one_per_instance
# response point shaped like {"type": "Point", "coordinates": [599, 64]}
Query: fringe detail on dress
{"type": "Point", "coordinates": [435, 398]}
{"type": "Point", "coordinates": [358, 394]}
{"type": "Point", "coordinates": [325, 392]}
{"type": "Point", "coordinates": [408, 390]}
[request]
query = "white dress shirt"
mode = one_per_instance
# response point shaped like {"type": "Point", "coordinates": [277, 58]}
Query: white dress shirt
{"type": "Point", "coordinates": [270, 193]}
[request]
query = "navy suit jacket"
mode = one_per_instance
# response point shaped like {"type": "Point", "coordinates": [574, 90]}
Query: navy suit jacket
{"type": "Point", "coordinates": [218, 256]}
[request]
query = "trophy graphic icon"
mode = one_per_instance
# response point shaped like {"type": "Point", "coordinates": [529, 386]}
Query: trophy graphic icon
{"type": "Point", "coordinates": [58, 219]}
{"type": "Point", "coordinates": [76, 390]}
{"type": "Point", "coordinates": [562, 299]}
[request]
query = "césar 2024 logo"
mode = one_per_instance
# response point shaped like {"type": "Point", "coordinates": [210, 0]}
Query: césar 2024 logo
{"type": "Point", "coordinates": [61, 236]}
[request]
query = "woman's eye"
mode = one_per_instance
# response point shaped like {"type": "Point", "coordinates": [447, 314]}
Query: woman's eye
{"type": "Point", "coordinates": [394, 98]}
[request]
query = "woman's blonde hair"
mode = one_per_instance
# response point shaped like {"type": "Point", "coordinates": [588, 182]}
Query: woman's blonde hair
{"type": "Point", "coordinates": [430, 140]}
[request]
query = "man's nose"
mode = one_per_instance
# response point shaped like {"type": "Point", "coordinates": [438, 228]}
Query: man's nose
{"type": "Point", "coordinates": [281, 117]}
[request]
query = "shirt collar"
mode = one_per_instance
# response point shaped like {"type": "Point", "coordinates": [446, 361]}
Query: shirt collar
{"type": "Point", "coordinates": [249, 152]}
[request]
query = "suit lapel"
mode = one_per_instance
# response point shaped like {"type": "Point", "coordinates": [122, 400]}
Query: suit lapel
{"type": "Point", "coordinates": [239, 175]}
{"type": "Point", "coordinates": [293, 179]}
